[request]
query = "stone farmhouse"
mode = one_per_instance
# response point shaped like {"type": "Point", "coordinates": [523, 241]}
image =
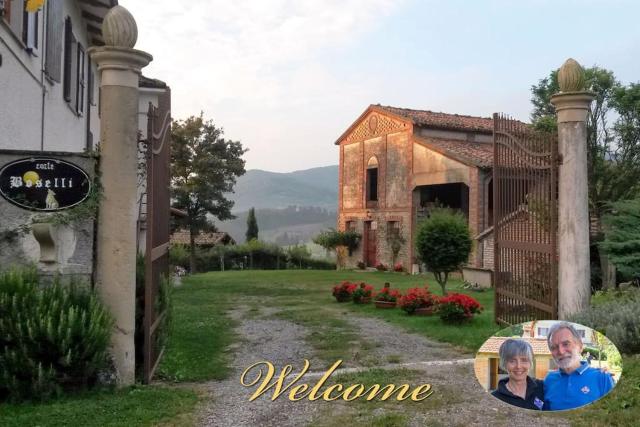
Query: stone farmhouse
{"type": "Point", "coordinates": [397, 163]}
{"type": "Point", "coordinates": [50, 106]}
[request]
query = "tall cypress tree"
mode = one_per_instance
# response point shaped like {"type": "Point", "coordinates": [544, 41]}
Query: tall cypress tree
{"type": "Point", "coordinates": [252, 225]}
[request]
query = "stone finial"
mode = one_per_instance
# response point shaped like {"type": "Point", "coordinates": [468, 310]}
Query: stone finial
{"type": "Point", "coordinates": [119, 28]}
{"type": "Point", "coordinates": [571, 76]}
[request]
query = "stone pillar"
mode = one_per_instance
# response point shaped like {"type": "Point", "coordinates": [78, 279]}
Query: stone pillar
{"type": "Point", "coordinates": [119, 65]}
{"type": "Point", "coordinates": [572, 105]}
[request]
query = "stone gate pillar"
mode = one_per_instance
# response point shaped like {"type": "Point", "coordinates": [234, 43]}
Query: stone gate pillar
{"type": "Point", "coordinates": [119, 65]}
{"type": "Point", "coordinates": [572, 105]}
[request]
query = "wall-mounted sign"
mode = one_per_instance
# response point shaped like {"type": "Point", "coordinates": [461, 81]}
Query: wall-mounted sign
{"type": "Point", "coordinates": [44, 184]}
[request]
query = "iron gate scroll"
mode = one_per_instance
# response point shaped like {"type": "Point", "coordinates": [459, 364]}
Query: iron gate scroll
{"type": "Point", "coordinates": [157, 244]}
{"type": "Point", "coordinates": [525, 172]}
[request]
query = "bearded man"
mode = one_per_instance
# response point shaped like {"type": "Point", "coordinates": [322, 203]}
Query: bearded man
{"type": "Point", "coordinates": [575, 383]}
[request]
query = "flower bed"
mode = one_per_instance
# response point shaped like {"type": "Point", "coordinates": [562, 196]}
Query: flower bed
{"type": "Point", "coordinates": [417, 298]}
{"type": "Point", "coordinates": [456, 308]}
{"type": "Point", "coordinates": [343, 292]}
{"type": "Point", "coordinates": [387, 297]}
{"type": "Point", "coordinates": [362, 294]}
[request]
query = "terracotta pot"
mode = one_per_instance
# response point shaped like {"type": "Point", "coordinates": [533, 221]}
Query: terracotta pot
{"type": "Point", "coordinates": [365, 300]}
{"type": "Point", "coordinates": [424, 311]}
{"type": "Point", "coordinates": [385, 304]}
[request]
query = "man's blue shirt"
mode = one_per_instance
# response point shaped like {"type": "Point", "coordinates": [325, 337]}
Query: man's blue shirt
{"type": "Point", "coordinates": [582, 386]}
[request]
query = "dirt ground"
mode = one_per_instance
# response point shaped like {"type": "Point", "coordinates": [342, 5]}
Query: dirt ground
{"type": "Point", "coordinates": [457, 399]}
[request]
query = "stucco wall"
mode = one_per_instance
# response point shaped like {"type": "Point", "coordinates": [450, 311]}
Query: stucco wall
{"type": "Point", "coordinates": [430, 168]}
{"type": "Point", "coordinates": [37, 116]}
{"type": "Point", "coordinates": [351, 172]}
{"type": "Point", "coordinates": [397, 178]}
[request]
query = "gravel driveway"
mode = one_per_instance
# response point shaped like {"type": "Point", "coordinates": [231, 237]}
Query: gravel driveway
{"type": "Point", "coordinates": [462, 401]}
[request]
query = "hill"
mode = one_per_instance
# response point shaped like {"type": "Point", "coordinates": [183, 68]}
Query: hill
{"type": "Point", "coordinates": [273, 190]}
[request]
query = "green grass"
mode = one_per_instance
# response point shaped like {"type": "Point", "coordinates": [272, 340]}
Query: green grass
{"type": "Point", "coordinates": [202, 329]}
{"type": "Point", "coordinates": [139, 406]}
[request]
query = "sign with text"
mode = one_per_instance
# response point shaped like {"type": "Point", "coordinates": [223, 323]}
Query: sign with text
{"type": "Point", "coordinates": [44, 184]}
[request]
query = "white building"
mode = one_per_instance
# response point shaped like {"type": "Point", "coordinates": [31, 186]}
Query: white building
{"type": "Point", "coordinates": [50, 100]}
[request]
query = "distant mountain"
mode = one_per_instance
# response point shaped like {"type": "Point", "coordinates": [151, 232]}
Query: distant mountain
{"type": "Point", "coordinates": [273, 190]}
{"type": "Point", "coordinates": [288, 226]}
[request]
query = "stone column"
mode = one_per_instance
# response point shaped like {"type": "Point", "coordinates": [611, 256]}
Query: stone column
{"type": "Point", "coordinates": [119, 65]}
{"type": "Point", "coordinates": [572, 105]}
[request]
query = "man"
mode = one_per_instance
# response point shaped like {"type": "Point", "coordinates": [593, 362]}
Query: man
{"type": "Point", "coordinates": [575, 383]}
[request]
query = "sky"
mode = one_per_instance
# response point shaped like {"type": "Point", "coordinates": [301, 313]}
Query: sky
{"type": "Point", "coordinates": [288, 77]}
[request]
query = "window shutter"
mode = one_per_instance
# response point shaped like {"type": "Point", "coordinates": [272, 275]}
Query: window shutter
{"type": "Point", "coordinates": [15, 16]}
{"type": "Point", "coordinates": [69, 59]}
{"type": "Point", "coordinates": [81, 82]}
{"type": "Point", "coordinates": [55, 31]}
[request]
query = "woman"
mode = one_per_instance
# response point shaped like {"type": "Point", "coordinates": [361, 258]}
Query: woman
{"type": "Point", "coordinates": [516, 357]}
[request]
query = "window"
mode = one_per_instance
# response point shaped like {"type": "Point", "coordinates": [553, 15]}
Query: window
{"type": "Point", "coordinates": [30, 30]}
{"type": "Point", "coordinates": [350, 226]}
{"type": "Point", "coordinates": [372, 180]}
{"type": "Point", "coordinates": [543, 332]}
{"type": "Point", "coordinates": [393, 229]}
{"type": "Point", "coordinates": [74, 70]}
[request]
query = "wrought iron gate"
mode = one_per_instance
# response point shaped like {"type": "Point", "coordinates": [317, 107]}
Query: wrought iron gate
{"type": "Point", "coordinates": [157, 243]}
{"type": "Point", "coordinates": [525, 170]}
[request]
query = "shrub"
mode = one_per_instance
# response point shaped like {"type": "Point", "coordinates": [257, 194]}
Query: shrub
{"type": "Point", "coordinates": [381, 267]}
{"type": "Point", "coordinates": [343, 291]}
{"type": "Point", "coordinates": [179, 256]}
{"type": "Point", "coordinates": [617, 320]}
{"type": "Point", "coordinates": [443, 243]}
{"type": "Point", "coordinates": [387, 294]}
{"type": "Point", "coordinates": [361, 265]}
{"type": "Point", "coordinates": [362, 294]}
{"type": "Point", "coordinates": [456, 308]}
{"type": "Point", "coordinates": [398, 268]}
{"type": "Point", "coordinates": [51, 339]}
{"type": "Point", "coordinates": [417, 298]}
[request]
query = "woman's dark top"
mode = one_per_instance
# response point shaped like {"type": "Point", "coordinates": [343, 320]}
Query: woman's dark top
{"type": "Point", "coordinates": [534, 398]}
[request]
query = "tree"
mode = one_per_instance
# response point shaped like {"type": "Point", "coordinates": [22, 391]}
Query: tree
{"type": "Point", "coordinates": [613, 150]}
{"type": "Point", "coordinates": [252, 225]}
{"type": "Point", "coordinates": [443, 243]}
{"type": "Point", "coordinates": [333, 240]}
{"type": "Point", "coordinates": [204, 166]}
{"type": "Point", "coordinates": [622, 236]}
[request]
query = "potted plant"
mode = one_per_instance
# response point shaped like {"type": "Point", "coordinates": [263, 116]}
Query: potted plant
{"type": "Point", "coordinates": [387, 297]}
{"type": "Point", "coordinates": [418, 301]}
{"type": "Point", "coordinates": [381, 267]}
{"type": "Point", "coordinates": [343, 291]}
{"type": "Point", "coordinates": [362, 294]}
{"type": "Point", "coordinates": [457, 308]}
{"type": "Point", "coordinates": [398, 268]}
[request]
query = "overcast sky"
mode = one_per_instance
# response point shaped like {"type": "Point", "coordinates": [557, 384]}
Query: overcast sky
{"type": "Point", "coordinates": [286, 78]}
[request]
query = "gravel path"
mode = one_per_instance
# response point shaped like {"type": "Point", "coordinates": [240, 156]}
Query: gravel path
{"type": "Point", "coordinates": [458, 399]}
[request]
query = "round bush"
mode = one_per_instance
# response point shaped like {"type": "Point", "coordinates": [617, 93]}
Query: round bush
{"type": "Point", "coordinates": [51, 339]}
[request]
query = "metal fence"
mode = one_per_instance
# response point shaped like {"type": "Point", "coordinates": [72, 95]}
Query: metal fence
{"type": "Point", "coordinates": [525, 180]}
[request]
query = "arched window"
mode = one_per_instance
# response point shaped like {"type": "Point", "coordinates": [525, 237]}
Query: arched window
{"type": "Point", "coordinates": [372, 180]}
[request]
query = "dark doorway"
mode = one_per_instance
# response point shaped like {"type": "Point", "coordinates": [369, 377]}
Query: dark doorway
{"type": "Point", "coordinates": [370, 244]}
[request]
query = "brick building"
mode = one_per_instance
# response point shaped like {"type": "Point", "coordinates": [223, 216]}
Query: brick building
{"type": "Point", "coordinates": [397, 163]}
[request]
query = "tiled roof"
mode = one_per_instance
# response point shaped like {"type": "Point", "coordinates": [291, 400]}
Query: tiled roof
{"type": "Point", "coordinates": [182, 238]}
{"type": "Point", "coordinates": [478, 154]}
{"type": "Point", "coordinates": [443, 120]}
{"type": "Point", "coordinates": [492, 345]}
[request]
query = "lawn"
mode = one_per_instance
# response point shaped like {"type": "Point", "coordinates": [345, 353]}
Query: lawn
{"type": "Point", "coordinates": [203, 304]}
{"type": "Point", "coordinates": [139, 406]}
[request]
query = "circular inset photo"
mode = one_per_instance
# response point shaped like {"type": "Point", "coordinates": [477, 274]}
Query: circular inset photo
{"type": "Point", "coordinates": [548, 365]}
